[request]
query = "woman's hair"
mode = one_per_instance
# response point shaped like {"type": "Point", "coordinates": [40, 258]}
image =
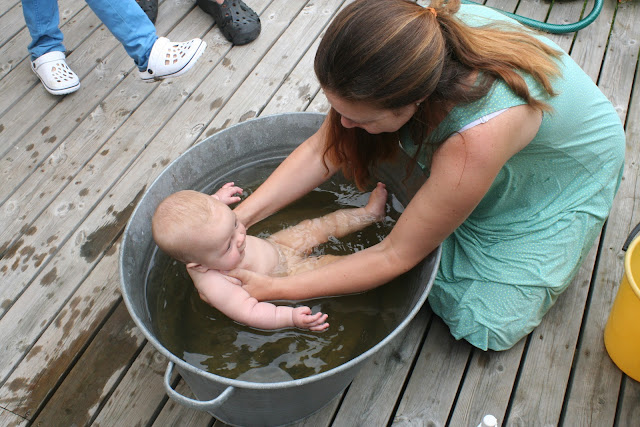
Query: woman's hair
{"type": "Point", "coordinates": [393, 53]}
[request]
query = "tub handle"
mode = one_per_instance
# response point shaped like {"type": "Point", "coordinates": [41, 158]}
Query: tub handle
{"type": "Point", "coordinates": [192, 403]}
{"type": "Point", "coordinates": [632, 235]}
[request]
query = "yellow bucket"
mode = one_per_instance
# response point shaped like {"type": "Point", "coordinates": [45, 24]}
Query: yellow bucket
{"type": "Point", "coordinates": [622, 332]}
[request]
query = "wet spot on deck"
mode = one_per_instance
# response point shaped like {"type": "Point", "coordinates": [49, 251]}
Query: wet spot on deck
{"type": "Point", "coordinates": [29, 231]}
{"type": "Point", "coordinates": [26, 252]}
{"type": "Point", "coordinates": [248, 115]}
{"type": "Point", "coordinates": [226, 62]}
{"type": "Point", "coordinates": [303, 92]}
{"type": "Point", "coordinates": [99, 240]}
{"type": "Point", "coordinates": [39, 259]}
{"type": "Point", "coordinates": [483, 360]}
{"type": "Point", "coordinates": [45, 130]}
{"type": "Point", "coordinates": [34, 352]}
{"type": "Point", "coordinates": [16, 384]}
{"type": "Point", "coordinates": [216, 103]}
{"type": "Point", "coordinates": [52, 139]}
{"type": "Point", "coordinates": [215, 130]}
{"type": "Point", "coordinates": [84, 192]}
{"type": "Point", "coordinates": [48, 278]}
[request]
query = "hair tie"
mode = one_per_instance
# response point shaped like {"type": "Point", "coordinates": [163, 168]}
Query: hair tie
{"type": "Point", "coordinates": [433, 11]}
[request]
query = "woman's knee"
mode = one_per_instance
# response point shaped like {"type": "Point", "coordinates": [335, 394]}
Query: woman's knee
{"type": "Point", "coordinates": [489, 323]}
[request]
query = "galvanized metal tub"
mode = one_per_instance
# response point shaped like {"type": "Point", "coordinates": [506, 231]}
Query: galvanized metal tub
{"type": "Point", "coordinates": [218, 159]}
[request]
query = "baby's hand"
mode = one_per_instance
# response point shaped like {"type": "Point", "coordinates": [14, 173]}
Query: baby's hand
{"type": "Point", "coordinates": [227, 194]}
{"type": "Point", "coordinates": [303, 318]}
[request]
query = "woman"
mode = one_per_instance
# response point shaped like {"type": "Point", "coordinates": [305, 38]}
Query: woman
{"type": "Point", "coordinates": [523, 154]}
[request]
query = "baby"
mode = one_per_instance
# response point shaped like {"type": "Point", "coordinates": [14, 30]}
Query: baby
{"type": "Point", "coordinates": [204, 233]}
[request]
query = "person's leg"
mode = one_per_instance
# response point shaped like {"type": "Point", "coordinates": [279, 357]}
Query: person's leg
{"type": "Point", "coordinates": [490, 316]}
{"type": "Point", "coordinates": [130, 25]}
{"type": "Point", "coordinates": [237, 21]}
{"type": "Point", "coordinates": [493, 290]}
{"type": "Point", "coordinates": [42, 19]}
{"type": "Point", "coordinates": [310, 233]}
{"type": "Point", "coordinates": [150, 8]}
{"type": "Point", "coordinates": [46, 48]}
{"type": "Point", "coordinates": [156, 58]}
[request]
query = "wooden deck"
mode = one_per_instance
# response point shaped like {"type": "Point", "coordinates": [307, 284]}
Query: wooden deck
{"type": "Point", "coordinates": [72, 169]}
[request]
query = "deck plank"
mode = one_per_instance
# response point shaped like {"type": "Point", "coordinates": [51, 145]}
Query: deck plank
{"type": "Point", "coordinates": [594, 390]}
{"type": "Point", "coordinates": [11, 22]}
{"type": "Point", "coordinates": [487, 386]}
{"type": "Point", "coordinates": [270, 72]}
{"type": "Point", "coordinates": [550, 355]}
{"type": "Point", "coordinates": [74, 252]}
{"type": "Point", "coordinates": [91, 380]}
{"type": "Point", "coordinates": [139, 395]}
{"type": "Point", "coordinates": [47, 362]}
{"type": "Point", "coordinates": [590, 43]}
{"type": "Point", "coordinates": [87, 244]}
{"type": "Point", "coordinates": [552, 345]}
{"type": "Point", "coordinates": [58, 120]}
{"type": "Point", "coordinates": [21, 80]}
{"type": "Point", "coordinates": [153, 155]}
{"type": "Point", "coordinates": [372, 396]}
{"type": "Point", "coordinates": [629, 412]}
{"type": "Point", "coordinates": [431, 392]}
{"type": "Point", "coordinates": [15, 35]}
{"type": "Point", "coordinates": [8, 419]}
{"type": "Point", "coordinates": [174, 414]}
{"type": "Point", "coordinates": [322, 417]}
{"type": "Point", "coordinates": [6, 5]}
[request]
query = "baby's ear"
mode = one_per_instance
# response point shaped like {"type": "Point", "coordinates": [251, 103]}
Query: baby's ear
{"type": "Point", "coordinates": [197, 267]}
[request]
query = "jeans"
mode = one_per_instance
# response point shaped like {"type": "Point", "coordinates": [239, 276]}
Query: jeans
{"type": "Point", "coordinates": [124, 18]}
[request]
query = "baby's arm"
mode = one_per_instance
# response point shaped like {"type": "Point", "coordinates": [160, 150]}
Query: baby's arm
{"type": "Point", "coordinates": [236, 303]}
{"type": "Point", "coordinates": [309, 233]}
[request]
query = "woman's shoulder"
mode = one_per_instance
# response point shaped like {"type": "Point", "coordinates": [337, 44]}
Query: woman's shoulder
{"type": "Point", "coordinates": [498, 139]}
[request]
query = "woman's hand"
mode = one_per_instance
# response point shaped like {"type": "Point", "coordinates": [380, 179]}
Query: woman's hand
{"type": "Point", "coordinates": [258, 285]}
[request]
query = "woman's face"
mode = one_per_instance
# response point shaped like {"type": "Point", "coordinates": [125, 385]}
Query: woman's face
{"type": "Point", "coordinates": [371, 119]}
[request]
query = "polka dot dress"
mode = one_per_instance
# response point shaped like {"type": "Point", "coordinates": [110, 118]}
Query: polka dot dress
{"type": "Point", "coordinates": [505, 266]}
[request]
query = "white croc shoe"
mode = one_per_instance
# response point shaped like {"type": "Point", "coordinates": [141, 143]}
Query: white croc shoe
{"type": "Point", "coordinates": [54, 73]}
{"type": "Point", "coordinates": [168, 59]}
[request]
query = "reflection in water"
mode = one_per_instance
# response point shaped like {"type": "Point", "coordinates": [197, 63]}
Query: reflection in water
{"type": "Point", "coordinates": [205, 338]}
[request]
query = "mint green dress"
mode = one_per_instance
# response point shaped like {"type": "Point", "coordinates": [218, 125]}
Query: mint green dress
{"type": "Point", "coordinates": [505, 266]}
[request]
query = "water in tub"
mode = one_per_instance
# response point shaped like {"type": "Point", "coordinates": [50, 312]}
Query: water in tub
{"type": "Point", "coordinates": [207, 339]}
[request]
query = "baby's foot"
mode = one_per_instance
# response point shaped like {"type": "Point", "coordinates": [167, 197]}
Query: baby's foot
{"type": "Point", "coordinates": [377, 202]}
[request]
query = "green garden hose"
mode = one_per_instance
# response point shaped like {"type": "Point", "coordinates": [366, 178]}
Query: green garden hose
{"type": "Point", "coordinates": [554, 28]}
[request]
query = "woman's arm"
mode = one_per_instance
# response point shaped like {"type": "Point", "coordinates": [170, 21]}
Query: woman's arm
{"type": "Point", "coordinates": [302, 171]}
{"type": "Point", "coordinates": [462, 171]}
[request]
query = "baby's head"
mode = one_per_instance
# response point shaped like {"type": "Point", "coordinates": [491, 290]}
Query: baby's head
{"type": "Point", "coordinates": [199, 230]}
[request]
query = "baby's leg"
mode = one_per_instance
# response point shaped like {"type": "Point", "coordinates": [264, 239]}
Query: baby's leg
{"type": "Point", "coordinates": [310, 233]}
{"type": "Point", "coordinates": [309, 263]}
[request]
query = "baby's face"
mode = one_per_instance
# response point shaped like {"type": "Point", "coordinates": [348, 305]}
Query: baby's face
{"type": "Point", "coordinates": [225, 238]}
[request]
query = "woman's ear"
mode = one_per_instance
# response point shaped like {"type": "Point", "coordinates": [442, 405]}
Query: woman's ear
{"type": "Point", "coordinates": [197, 267]}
